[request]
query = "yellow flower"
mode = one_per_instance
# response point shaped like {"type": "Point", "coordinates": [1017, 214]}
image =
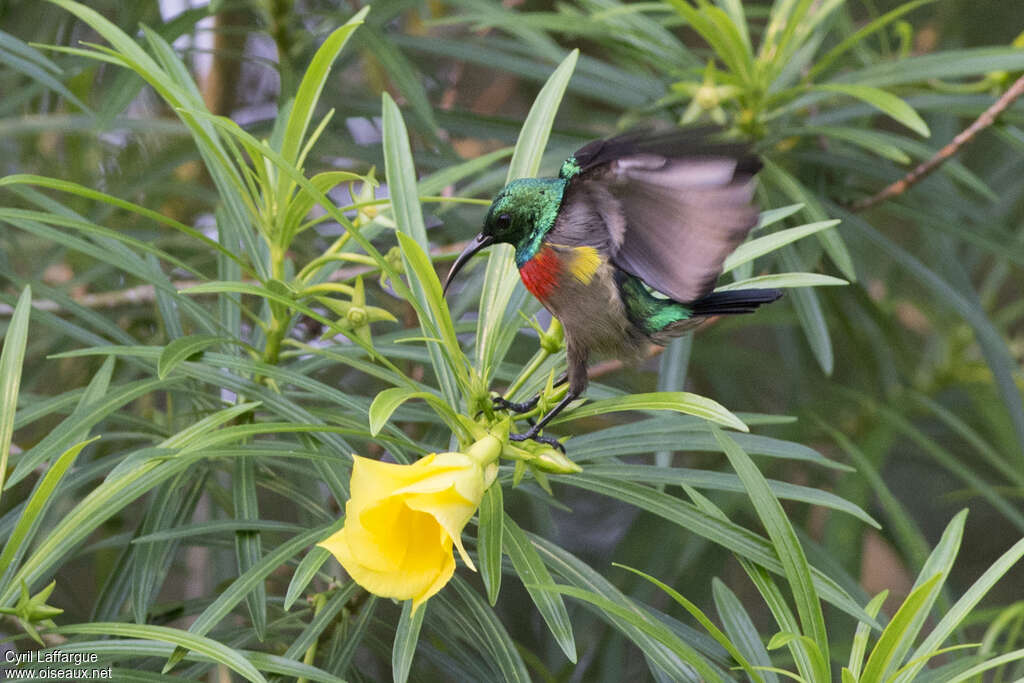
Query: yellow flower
{"type": "Point", "coordinates": [402, 520]}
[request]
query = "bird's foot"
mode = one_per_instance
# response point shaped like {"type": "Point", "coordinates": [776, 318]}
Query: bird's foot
{"type": "Point", "coordinates": [501, 403]}
{"type": "Point", "coordinates": [534, 435]}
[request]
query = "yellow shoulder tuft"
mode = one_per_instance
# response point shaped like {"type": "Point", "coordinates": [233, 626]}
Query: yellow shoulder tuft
{"type": "Point", "coordinates": [584, 263]}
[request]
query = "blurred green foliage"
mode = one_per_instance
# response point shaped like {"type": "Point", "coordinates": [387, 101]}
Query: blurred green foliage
{"type": "Point", "coordinates": [206, 211]}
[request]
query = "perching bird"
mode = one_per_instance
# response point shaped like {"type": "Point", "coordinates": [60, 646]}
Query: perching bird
{"type": "Point", "coordinates": [624, 247]}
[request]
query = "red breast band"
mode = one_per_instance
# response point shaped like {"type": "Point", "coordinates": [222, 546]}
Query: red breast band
{"type": "Point", "coordinates": [540, 274]}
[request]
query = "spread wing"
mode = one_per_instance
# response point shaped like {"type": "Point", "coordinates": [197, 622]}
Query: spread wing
{"type": "Point", "coordinates": [674, 204]}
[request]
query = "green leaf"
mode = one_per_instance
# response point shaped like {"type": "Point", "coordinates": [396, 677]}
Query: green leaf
{"type": "Point", "coordinates": [715, 26]}
{"type": "Point", "coordinates": [488, 629]}
{"type": "Point", "coordinates": [860, 637]}
{"type": "Point", "coordinates": [787, 546]}
{"type": "Point", "coordinates": [773, 216]}
{"type": "Point", "coordinates": [677, 401]}
{"type": "Point", "coordinates": [401, 178]}
{"type": "Point", "coordinates": [672, 432]}
{"type": "Point", "coordinates": [324, 617]}
{"type": "Point", "coordinates": [11, 360]}
{"type": "Point", "coordinates": [702, 619]}
{"type": "Point", "coordinates": [779, 178]}
{"type": "Point", "coordinates": [183, 348]}
{"type": "Point", "coordinates": [946, 65]}
{"type": "Point", "coordinates": [312, 85]}
{"type": "Point", "coordinates": [489, 540]}
{"type": "Point", "coordinates": [882, 144]}
{"type": "Point", "coordinates": [406, 636]}
{"type": "Point", "coordinates": [421, 269]}
{"type": "Point", "coordinates": [539, 585]}
{"type": "Point", "coordinates": [219, 526]}
{"type": "Point", "coordinates": [341, 655]}
{"type": "Point", "coordinates": [247, 582]}
{"type": "Point", "coordinates": [582, 575]}
{"type": "Point", "coordinates": [248, 543]}
{"type": "Point", "coordinates": [646, 625]}
{"type": "Point", "coordinates": [993, 346]}
{"type": "Point", "coordinates": [222, 654]}
{"type": "Point", "coordinates": [748, 251]}
{"type": "Point", "coordinates": [742, 542]}
{"type": "Point", "coordinates": [131, 479]}
{"type": "Point", "coordinates": [784, 281]}
{"type": "Point", "coordinates": [857, 37]}
{"type": "Point", "coordinates": [388, 401]}
{"type": "Point", "coordinates": [304, 573]}
{"type": "Point", "coordinates": [90, 193]}
{"type": "Point", "coordinates": [35, 509]}
{"type": "Point", "coordinates": [725, 481]}
{"type": "Point", "coordinates": [740, 628]}
{"type": "Point", "coordinates": [883, 101]}
{"type": "Point", "coordinates": [939, 564]}
{"type": "Point", "coordinates": [979, 669]}
{"type": "Point", "coordinates": [883, 657]}
{"type": "Point", "coordinates": [955, 616]}
{"type": "Point", "coordinates": [76, 427]}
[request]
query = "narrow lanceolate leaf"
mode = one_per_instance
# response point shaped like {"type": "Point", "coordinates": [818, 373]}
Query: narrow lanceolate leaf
{"type": "Point", "coordinates": [678, 401]}
{"type": "Point", "coordinates": [249, 544]}
{"type": "Point", "coordinates": [35, 509]}
{"type": "Point", "coordinates": [784, 281]}
{"type": "Point", "coordinates": [489, 540]}
{"type": "Point", "coordinates": [787, 546]}
{"type": "Point", "coordinates": [961, 609]}
{"type": "Point", "coordinates": [703, 620]}
{"type": "Point", "coordinates": [388, 401]}
{"type": "Point", "coordinates": [248, 581]}
{"type": "Point", "coordinates": [913, 616]}
{"type": "Point", "coordinates": [860, 637]}
{"type": "Point", "coordinates": [304, 573]}
{"type": "Point", "coordinates": [220, 653]}
{"type": "Point", "coordinates": [648, 626]}
{"type": "Point", "coordinates": [132, 478]}
{"type": "Point", "coordinates": [740, 628]}
{"type": "Point", "coordinates": [538, 582]}
{"type": "Point", "coordinates": [312, 85]}
{"type": "Point", "coordinates": [810, 314]}
{"type": "Point", "coordinates": [749, 251]}
{"type": "Point", "coordinates": [503, 293]}
{"type": "Point", "coordinates": [883, 101]}
{"type": "Point", "coordinates": [11, 360]}
{"type": "Point", "coordinates": [884, 655]}
{"type": "Point", "coordinates": [406, 637]}
{"type": "Point", "coordinates": [183, 348]}
{"type": "Point", "coordinates": [408, 214]}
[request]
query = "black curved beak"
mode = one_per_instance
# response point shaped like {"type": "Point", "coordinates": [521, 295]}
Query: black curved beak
{"type": "Point", "coordinates": [479, 242]}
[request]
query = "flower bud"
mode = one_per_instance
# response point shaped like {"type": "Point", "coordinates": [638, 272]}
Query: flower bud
{"type": "Point", "coordinates": [356, 316]}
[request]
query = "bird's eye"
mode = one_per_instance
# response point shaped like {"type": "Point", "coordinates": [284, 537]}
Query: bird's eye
{"type": "Point", "coordinates": [504, 220]}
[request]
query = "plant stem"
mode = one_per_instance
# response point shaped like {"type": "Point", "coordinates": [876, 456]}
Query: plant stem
{"type": "Point", "coordinates": [310, 655]}
{"type": "Point", "coordinates": [538, 359]}
{"type": "Point", "coordinates": [987, 118]}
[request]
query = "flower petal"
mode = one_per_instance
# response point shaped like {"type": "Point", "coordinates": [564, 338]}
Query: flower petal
{"type": "Point", "coordinates": [451, 511]}
{"type": "Point", "coordinates": [426, 566]}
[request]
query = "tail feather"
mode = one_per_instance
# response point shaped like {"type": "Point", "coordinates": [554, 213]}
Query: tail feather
{"type": "Point", "coordinates": [734, 301]}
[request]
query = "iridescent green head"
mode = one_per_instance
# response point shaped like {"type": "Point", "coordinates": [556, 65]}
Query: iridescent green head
{"type": "Point", "coordinates": [520, 215]}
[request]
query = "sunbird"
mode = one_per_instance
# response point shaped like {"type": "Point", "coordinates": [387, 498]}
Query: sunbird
{"type": "Point", "coordinates": [624, 247]}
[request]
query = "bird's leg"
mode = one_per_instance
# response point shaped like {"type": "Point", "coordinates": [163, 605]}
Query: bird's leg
{"type": "Point", "coordinates": [577, 378]}
{"type": "Point", "coordinates": [501, 403]}
{"type": "Point", "coordinates": [525, 406]}
{"type": "Point", "coordinates": [534, 433]}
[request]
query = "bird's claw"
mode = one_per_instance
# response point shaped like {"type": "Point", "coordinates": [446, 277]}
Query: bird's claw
{"type": "Point", "coordinates": [501, 403]}
{"type": "Point", "coordinates": [533, 436]}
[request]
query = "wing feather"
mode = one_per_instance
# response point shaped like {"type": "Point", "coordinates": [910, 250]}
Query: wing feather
{"type": "Point", "coordinates": [674, 205]}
